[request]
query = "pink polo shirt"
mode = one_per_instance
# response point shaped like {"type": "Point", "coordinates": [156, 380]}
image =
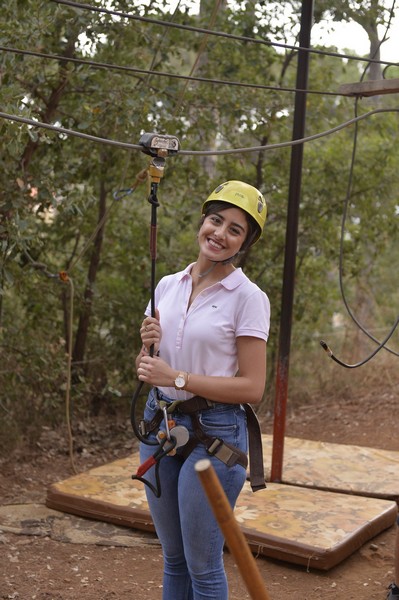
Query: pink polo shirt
{"type": "Point", "coordinates": [202, 338]}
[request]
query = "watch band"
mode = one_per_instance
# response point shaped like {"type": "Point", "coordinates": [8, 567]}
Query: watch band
{"type": "Point", "coordinates": [181, 380]}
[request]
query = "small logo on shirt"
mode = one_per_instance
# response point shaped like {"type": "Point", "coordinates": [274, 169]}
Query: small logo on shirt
{"type": "Point", "coordinates": [214, 306]}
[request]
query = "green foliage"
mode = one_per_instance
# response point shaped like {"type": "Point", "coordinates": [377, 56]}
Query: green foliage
{"type": "Point", "coordinates": [54, 187]}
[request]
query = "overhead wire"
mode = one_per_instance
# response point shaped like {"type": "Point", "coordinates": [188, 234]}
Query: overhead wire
{"type": "Point", "coordinates": [187, 78]}
{"type": "Point", "coordinates": [151, 72]}
{"type": "Point", "coordinates": [222, 34]}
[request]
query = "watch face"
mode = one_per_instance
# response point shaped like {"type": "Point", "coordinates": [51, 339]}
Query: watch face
{"type": "Point", "coordinates": [180, 381]}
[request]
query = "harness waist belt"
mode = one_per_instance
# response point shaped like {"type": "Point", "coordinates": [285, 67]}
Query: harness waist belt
{"type": "Point", "coordinates": [227, 453]}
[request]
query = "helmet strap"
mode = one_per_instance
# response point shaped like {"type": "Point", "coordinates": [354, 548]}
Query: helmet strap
{"type": "Point", "coordinates": [227, 261]}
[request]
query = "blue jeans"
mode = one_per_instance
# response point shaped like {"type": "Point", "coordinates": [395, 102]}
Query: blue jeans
{"type": "Point", "coordinates": [191, 540]}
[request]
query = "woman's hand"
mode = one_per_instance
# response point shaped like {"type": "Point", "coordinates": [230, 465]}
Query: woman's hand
{"type": "Point", "coordinates": [155, 371]}
{"type": "Point", "coordinates": [151, 332]}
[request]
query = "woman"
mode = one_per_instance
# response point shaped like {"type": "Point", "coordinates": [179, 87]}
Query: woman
{"type": "Point", "coordinates": [209, 338]}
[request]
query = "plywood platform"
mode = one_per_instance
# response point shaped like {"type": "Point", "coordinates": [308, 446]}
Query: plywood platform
{"type": "Point", "coordinates": [304, 526]}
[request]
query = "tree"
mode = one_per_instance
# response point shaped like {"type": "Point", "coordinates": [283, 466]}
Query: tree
{"type": "Point", "coordinates": [369, 15]}
{"type": "Point", "coordinates": [104, 74]}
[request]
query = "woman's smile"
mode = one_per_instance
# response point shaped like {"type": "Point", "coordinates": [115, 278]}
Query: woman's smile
{"type": "Point", "coordinates": [215, 244]}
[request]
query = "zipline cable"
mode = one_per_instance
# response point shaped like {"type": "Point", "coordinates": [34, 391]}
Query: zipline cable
{"type": "Point", "coordinates": [128, 146]}
{"type": "Point", "coordinates": [381, 345]}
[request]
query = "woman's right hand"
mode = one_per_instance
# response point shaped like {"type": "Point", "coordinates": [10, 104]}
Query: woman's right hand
{"type": "Point", "coordinates": [151, 332]}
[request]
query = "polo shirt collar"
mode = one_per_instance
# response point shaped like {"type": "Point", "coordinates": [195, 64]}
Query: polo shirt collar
{"type": "Point", "coordinates": [230, 282]}
{"type": "Point", "coordinates": [233, 280]}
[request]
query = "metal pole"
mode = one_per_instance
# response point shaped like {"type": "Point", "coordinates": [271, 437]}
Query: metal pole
{"type": "Point", "coordinates": [294, 193]}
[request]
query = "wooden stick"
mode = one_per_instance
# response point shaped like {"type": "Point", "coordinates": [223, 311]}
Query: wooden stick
{"type": "Point", "coordinates": [234, 537]}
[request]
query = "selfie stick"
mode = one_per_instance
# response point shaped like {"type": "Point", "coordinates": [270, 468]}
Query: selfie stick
{"type": "Point", "coordinates": [234, 537]}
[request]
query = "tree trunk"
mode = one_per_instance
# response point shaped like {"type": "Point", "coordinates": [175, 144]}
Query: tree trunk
{"type": "Point", "coordinates": [85, 314]}
{"type": "Point", "coordinates": [51, 104]}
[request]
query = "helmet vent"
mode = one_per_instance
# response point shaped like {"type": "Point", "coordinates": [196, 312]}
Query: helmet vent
{"type": "Point", "coordinates": [219, 188]}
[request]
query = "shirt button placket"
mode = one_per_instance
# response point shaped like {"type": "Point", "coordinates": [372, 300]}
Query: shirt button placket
{"type": "Point", "coordinates": [179, 337]}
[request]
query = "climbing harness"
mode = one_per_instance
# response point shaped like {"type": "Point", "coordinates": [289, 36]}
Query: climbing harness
{"type": "Point", "coordinates": [215, 446]}
{"type": "Point", "coordinates": [171, 437]}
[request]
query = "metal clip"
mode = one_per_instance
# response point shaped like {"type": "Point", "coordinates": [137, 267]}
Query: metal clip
{"type": "Point", "coordinates": [166, 421]}
{"type": "Point", "coordinates": [215, 446]}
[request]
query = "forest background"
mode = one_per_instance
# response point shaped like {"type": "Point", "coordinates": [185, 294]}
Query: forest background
{"type": "Point", "coordinates": [68, 204]}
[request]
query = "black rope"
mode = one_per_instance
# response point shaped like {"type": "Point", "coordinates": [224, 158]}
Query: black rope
{"type": "Point", "coordinates": [380, 345]}
{"type": "Point", "coordinates": [365, 360]}
{"type": "Point", "coordinates": [155, 461]}
{"type": "Point", "coordinates": [153, 200]}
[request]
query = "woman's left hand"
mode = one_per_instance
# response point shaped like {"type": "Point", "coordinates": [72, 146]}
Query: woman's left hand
{"type": "Point", "coordinates": [151, 332]}
{"type": "Point", "coordinates": [155, 371]}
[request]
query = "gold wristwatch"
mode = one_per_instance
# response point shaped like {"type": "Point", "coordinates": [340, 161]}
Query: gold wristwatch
{"type": "Point", "coordinates": [181, 380]}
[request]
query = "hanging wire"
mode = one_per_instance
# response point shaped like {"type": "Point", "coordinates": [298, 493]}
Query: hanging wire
{"type": "Point", "coordinates": [341, 252]}
{"type": "Point", "coordinates": [64, 278]}
{"type": "Point", "coordinates": [380, 345]}
{"type": "Point", "coordinates": [69, 281]}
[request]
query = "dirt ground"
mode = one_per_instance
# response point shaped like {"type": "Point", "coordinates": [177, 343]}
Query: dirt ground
{"type": "Point", "coordinates": [34, 566]}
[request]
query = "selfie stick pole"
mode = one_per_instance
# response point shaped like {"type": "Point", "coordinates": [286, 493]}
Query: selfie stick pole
{"type": "Point", "coordinates": [234, 537]}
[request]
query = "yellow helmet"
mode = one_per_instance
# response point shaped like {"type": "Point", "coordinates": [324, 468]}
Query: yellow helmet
{"type": "Point", "coordinates": [244, 196]}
